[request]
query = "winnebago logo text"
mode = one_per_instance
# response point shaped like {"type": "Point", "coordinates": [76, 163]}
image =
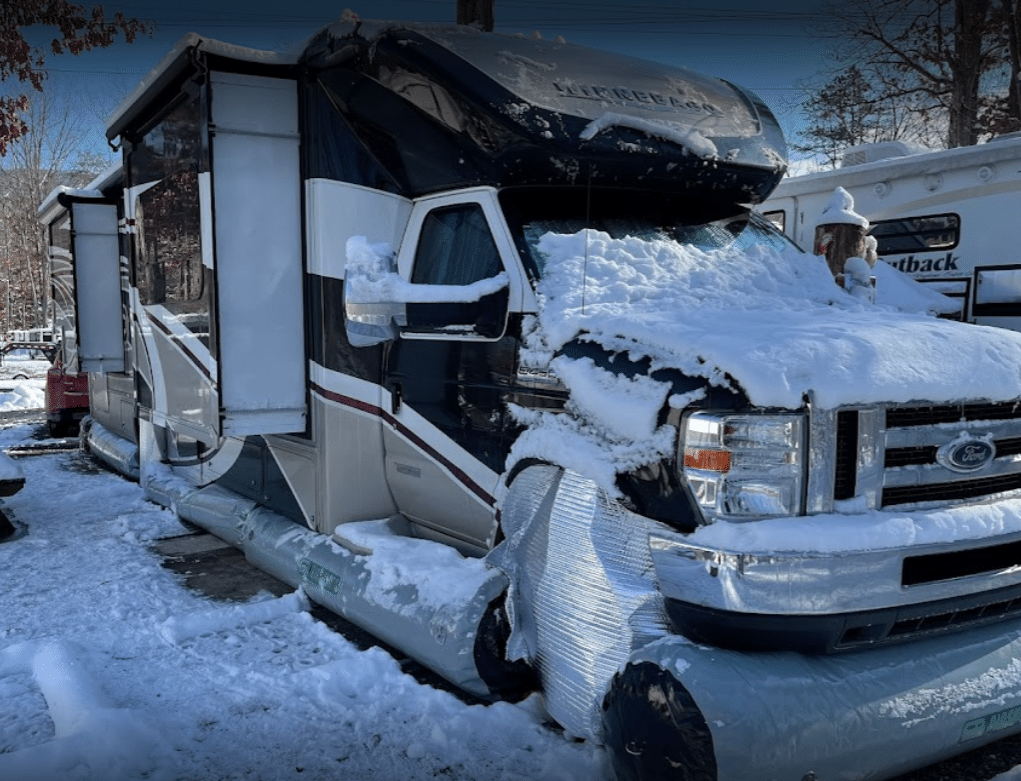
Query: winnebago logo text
{"type": "Point", "coordinates": [636, 97]}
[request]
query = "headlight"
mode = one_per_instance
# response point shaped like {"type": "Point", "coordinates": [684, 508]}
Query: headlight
{"type": "Point", "coordinates": [743, 466]}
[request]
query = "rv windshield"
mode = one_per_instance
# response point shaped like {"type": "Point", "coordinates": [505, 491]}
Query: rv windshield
{"type": "Point", "coordinates": [618, 213]}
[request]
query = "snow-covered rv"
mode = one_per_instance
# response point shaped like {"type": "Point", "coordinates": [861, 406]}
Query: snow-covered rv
{"type": "Point", "coordinates": [474, 338]}
{"type": "Point", "coordinates": [936, 215]}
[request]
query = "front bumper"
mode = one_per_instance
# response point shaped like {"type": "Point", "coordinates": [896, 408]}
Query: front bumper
{"type": "Point", "coordinates": [956, 568]}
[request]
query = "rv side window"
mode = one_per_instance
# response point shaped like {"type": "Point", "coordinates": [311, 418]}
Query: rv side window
{"type": "Point", "coordinates": [60, 234]}
{"type": "Point", "coordinates": [917, 234]}
{"type": "Point", "coordinates": [456, 247]}
{"type": "Point", "coordinates": [168, 220]}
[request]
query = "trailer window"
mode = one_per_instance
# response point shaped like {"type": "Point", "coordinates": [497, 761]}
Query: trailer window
{"type": "Point", "coordinates": [60, 233]}
{"type": "Point", "coordinates": [168, 221]}
{"type": "Point", "coordinates": [916, 234]}
{"type": "Point", "coordinates": [778, 218]}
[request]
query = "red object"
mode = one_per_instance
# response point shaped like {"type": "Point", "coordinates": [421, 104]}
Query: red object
{"type": "Point", "coordinates": [67, 398]}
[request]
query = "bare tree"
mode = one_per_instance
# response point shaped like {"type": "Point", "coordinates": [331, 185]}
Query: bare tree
{"type": "Point", "coordinates": [78, 30]}
{"type": "Point", "coordinates": [935, 58]}
{"type": "Point", "coordinates": [848, 110]}
{"type": "Point", "coordinates": [46, 156]}
{"type": "Point", "coordinates": [478, 12]}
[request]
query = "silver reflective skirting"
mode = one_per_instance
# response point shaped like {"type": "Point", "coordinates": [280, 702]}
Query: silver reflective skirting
{"type": "Point", "coordinates": [438, 634]}
{"type": "Point", "coordinates": [867, 715]}
{"type": "Point", "coordinates": [582, 595]}
{"type": "Point", "coordinates": [116, 452]}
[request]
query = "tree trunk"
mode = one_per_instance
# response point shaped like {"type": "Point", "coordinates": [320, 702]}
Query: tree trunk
{"type": "Point", "coordinates": [839, 241]}
{"type": "Point", "coordinates": [1013, 18]}
{"type": "Point", "coordinates": [478, 12]}
{"type": "Point", "coordinates": [966, 67]}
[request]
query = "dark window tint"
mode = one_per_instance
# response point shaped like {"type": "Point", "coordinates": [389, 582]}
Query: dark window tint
{"type": "Point", "coordinates": [456, 248]}
{"type": "Point", "coordinates": [174, 142]}
{"type": "Point", "coordinates": [778, 218]}
{"type": "Point", "coordinates": [917, 234]}
{"type": "Point", "coordinates": [60, 233]}
{"type": "Point", "coordinates": [168, 221]}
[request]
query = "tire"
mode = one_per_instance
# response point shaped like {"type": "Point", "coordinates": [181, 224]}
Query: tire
{"type": "Point", "coordinates": [653, 729]}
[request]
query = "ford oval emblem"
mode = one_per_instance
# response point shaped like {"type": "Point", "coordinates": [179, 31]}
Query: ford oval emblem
{"type": "Point", "coordinates": [966, 454]}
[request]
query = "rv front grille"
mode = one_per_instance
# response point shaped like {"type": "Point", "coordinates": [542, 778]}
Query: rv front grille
{"type": "Point", "coordinates": [890, 458]}
{"type": "Point", "coordinates": [903, 417]}
{"type": "Point", "coordinates": [847, 454]}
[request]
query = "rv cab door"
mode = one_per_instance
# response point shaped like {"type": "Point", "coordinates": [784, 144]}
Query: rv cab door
{"type": "Point", "coordinates": [447, 371]}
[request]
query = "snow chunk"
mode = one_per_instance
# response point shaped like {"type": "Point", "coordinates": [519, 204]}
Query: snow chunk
{"type": "Point", "coordinates": [627, 406]}
{"type": "Point", "coordinates": [688, 138]}
{"type": "Point", "coordinates": [179, 628]}
{"type": "Point", "coordinates": [840, 210]}
{"type": "Point", "coordinates": [372, 279]}
{"type": "Point", "coordinates": [439, 574]}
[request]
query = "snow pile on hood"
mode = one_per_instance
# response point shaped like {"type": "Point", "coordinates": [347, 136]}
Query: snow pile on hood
{"type": "Point", "coordinates": [775, 324]}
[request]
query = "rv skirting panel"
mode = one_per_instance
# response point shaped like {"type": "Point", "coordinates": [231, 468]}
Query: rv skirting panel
{"type": "Point", "coordinates": [863, 715]}
{"type": "Point", "coordinates": [116, 452]}
{"type": "Point", "coordinates": [437, 627]}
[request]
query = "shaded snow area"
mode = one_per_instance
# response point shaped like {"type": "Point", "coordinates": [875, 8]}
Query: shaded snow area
{"type": "Point", "coordinates": [776, 323]}
{"type": "Point", "coordinates": [111, 670]}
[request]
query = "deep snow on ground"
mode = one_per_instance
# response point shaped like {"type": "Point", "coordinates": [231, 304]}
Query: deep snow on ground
{"type": "Point", "coordinates": [111, 669]}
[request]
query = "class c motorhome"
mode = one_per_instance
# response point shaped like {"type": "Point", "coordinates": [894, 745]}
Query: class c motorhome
{"type": "Point", "coordinates": [475, 339]}
{"type": "Point", "coordinates": [938, 216]}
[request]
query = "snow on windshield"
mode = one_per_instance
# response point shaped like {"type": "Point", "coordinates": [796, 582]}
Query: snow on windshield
{"type": "Point", "coordinates": [774, 323]}
{"type": "Point", "coordinates": [770, 321]}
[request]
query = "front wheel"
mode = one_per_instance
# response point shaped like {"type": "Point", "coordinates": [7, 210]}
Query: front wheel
{"type": "Point", "coordinates": [653, 730]}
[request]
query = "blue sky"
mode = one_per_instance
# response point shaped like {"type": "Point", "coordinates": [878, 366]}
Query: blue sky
{"type": "Point", "coordinates": [767, 47]}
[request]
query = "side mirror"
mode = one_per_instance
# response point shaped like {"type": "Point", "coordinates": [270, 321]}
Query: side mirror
{"type": "Point", "coordinates": [377, 303]}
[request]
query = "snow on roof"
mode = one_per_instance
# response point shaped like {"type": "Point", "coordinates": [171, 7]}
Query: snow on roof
{"type": "Point", "coordinates": [940, 161]}
{"type": "Point", "coordinates": [94, 189]}
{"type": "Point", "coordinates": [175, 61]}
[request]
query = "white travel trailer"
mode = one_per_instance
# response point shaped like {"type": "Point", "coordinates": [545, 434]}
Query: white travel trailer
{"type": "Point", "coordinates": [474, 338]}
{"type": "Point", "coordinates": [936, 215]}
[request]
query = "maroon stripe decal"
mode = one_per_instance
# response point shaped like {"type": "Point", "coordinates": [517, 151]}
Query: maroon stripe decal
{"type": "Point", "coordinates": [184, 348]}
{"type": "Point", "coordinates": [416, 440]}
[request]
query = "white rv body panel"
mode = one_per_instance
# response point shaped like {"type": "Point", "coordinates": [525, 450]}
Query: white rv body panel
{"type": "Point", "coordinates": [258, 254]}
{"type": "Point", "coordinates": [352, 487]}
{"type": "Point", "coordinates": [98, 287]}
{"type": "Point", "coordinates": [971, 188]}
{"type": "Point", "coordinates": [337, 211]}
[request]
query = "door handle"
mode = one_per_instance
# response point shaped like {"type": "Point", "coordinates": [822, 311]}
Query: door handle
{"type": "Point", "coordinates": [395, 397]}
